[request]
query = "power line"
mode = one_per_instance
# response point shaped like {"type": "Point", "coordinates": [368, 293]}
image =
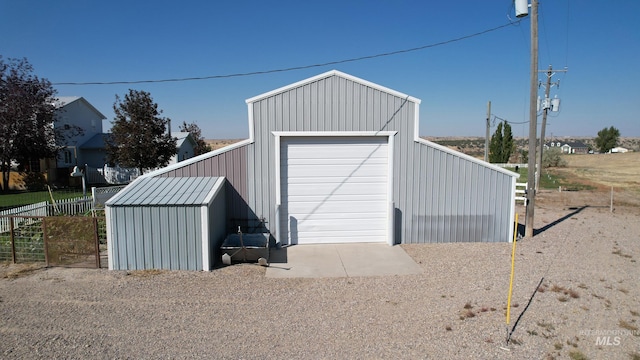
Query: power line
{"type": "Point", "coordinates": [495, 117]}
{"type": "Point", "coordinates": [367, 57]}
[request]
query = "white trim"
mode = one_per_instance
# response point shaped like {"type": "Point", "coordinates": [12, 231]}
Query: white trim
{"type": "Point", "coordinates": [204, 232]}
{"type": "Point", "coordinates": [389, 134]}
{"type": "Point", "coordinates": [416, 123]}
{"type": "Point", "coordinates": [326, 75]}
{"type": "Point", "coordinates": [466, 157]}
{"type": "Point", "coordinates": [250, 116]}
{"type": "Point", "coordinates": [512, 211]}
{"type": "Point", "coordinates": [331, 133]}
{"type": "Point", "coordinates": [390, 176]}
{"type": "Point", "coordinates": [107, 215]}
{"type": "Point", "coordinates": [217, 186]}
{"type": "Point", "coordinates": [278, 152]}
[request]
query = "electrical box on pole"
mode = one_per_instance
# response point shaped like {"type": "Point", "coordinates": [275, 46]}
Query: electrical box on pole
{"type": "Point", "coordinates": [522, 8]}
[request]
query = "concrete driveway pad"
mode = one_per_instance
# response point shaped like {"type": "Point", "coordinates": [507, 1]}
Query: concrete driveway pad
{"type": "Point", "coordinates": [340, 260]}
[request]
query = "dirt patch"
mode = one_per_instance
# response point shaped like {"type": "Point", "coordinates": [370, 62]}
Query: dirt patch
{"type": "Point", "coordinates": [14, 271]}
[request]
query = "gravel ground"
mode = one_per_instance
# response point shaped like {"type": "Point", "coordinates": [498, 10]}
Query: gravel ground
{"type": "Point", "coordinates": [588, 304]}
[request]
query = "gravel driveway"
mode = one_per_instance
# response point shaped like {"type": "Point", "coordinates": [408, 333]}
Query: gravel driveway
{"type": "Point", "coordinates": [588, 304]}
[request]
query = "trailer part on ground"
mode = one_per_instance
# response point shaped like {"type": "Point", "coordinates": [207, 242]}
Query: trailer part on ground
{"type": "Point", "coordinates": [246, 247]}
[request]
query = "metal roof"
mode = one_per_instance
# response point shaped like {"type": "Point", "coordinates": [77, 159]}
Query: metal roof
{"type": "Point", "coordinates": [163, 191]}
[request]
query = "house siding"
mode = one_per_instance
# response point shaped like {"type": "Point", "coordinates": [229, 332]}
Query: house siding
{"type": "Point", "coordinates": [439, 196]}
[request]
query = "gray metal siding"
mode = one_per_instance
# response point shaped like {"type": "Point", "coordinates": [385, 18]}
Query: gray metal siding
{"type": "Point", "coordinates": [151, 237]}
{"type": "Point", "coordinates": [232, 165]}
{"type": "Point", "coordinates": [447, 198]}
{"type": "Point", "coordinates": [439, 196]}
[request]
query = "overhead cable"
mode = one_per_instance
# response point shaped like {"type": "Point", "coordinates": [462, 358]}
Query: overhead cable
{"type": "Point", "coordinates": [367, 57]}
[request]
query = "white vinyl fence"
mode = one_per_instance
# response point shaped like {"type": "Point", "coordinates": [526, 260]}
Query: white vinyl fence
{"type": "Point", "coordinates": [521, 189]}
{"type": "Point", "coordinates": [37, 209]}
{"type": "Point", "coordinates": [72, 206]}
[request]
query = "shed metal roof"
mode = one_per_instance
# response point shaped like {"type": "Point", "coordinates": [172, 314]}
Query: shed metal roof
{"type": "Point", "coordinates": [166, 191]}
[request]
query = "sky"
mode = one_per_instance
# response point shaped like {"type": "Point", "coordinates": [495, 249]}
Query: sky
{"type": "Point", "coordinates": [596, 41]}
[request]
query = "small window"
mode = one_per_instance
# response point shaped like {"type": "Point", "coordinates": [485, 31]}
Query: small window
{"type": "Point", "coordinates": [67, 157]}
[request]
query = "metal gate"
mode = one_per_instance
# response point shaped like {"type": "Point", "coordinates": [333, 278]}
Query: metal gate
{"type": "Point", "coordinates": [72, 241]}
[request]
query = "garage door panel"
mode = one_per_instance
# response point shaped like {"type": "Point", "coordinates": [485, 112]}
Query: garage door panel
{"type": "Point", "coordinates": [363, 180]}
{"type": "Point", "coordinates": [339, 225]}
{"type": "Point", "coordinates": [336, 206]}
{"type": "Point", "coordinates": [332, 189]}
{"type": "Point", "coordinates": [335, 189]}
{"type": "Point", "coordinates": [341, 237]}
{"type": "Point", "coordinates": [323, 159]}
{"type": "Point", "coordinates": [336, 170]}
{"type": "Point", "coordinates": [336, 151]}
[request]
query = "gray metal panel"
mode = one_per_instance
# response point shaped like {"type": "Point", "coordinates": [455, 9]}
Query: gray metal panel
{"type": "Point", "coordinates": [160, 191]}
{"type": "Point", "coordinates": [453, 198]}
{"type": "Point", "coordinates": [439, 196]}
{"type": "Point", "coordinates": [155, 237]}
{"type": "Point", "coordinates": [232, 165]}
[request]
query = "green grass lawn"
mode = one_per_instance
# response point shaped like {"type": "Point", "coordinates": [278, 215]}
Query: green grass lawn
{"type": "Point", "coordinates": [551, 179]}
{"type": "Point", "coordinates": [32, 197]}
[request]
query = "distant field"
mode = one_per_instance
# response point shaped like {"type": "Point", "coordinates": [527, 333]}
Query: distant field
{"type": "Point", "coordinates": [621, 171]}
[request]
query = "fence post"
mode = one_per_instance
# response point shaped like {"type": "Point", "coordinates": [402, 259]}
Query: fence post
{"type": "Point", "coordinates": [12, 239]}
{"type": "Point", "coordinates": [44, 240]}
{"type": "Point", "coordinates": [96, 240]}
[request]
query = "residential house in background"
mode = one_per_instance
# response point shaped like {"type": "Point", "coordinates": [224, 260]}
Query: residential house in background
{"type": "Point", "coordinates": [186, 146]}
{"type": "Point", "coordinates": [88, 150]}
{"type": "Point", "coordinates": [576, 147]}
{"type": "Point", "coordinates": [77, 111]}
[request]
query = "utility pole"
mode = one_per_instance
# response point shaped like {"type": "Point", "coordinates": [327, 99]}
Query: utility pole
{"type": "Point", "coordinates": [486, 139]}
{"type": "Point", "coordinates": [531, 179]}
{"type": "Point", "coordinates": [546, 104]}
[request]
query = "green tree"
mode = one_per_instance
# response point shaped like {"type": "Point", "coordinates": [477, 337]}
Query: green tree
{"type": "Point", "coordinates": [139, 136]}
{"type": "Point", "coordinates": [507, 142]}
{"type": "Point", "coordinates": [607, 139]}
{"type": "Point", "coordinates": [201, 145]}
{"type": "Point", "coordinates": [27, 113]}
{"type": "Point", "coordinates": [495, 146]}
{"type": "Point", "coordinates": [553, 158]}
{"type": "Point", "coordinates": [501, 145]}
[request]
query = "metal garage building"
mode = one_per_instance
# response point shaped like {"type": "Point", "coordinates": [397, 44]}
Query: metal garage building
{"type": "Point", "coordinates": [335, 158]}
{"type": "Point", "coordinates": [167, 223]}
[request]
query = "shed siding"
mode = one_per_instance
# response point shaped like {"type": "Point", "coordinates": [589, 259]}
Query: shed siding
{"type": "Point", "coordinates": [165, 237]}
{"type": "Point", "coordinates": [232, 165]}
{"type": "Point", "coordinates": [439, 196]}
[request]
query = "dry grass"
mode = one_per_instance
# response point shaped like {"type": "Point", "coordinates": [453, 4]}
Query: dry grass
{"type": "Point", "coordinates": [617, 170]}
{"type": "Point", "coordinates": [220, 143]}
{"type": "Point", "coordinates": [14, 271]}
{"type": "Point", "coordinates": [577, 355]}
{"type": "Point", "coordinates": [628, 326]}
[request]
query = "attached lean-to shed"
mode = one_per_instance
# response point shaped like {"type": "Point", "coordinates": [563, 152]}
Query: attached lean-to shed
{"type": "Point", "coordinates": [167, 223]}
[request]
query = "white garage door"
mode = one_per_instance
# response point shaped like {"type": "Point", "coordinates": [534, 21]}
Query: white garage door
{"type": "Point", "coordinates": [334, 190]}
